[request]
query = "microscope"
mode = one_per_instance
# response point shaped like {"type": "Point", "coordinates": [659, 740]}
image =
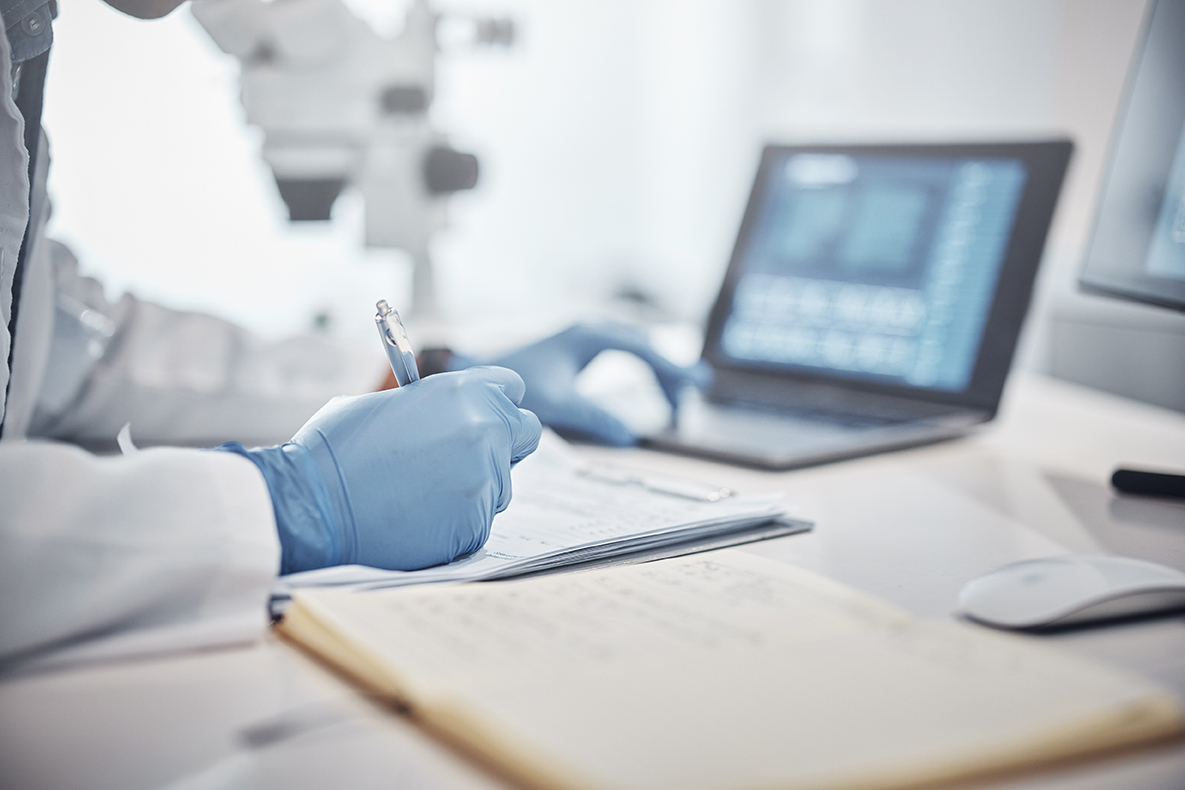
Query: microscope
{"type": "Point", "coordinates": [341, 104]}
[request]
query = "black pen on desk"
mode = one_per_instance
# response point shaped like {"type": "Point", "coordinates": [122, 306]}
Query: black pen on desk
{"type": "Point", "coordinates": [1135, 481]}
{"type": "Point", "coordinates": [396, 344]}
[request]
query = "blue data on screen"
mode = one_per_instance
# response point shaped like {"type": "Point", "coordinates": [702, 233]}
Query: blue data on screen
{"type": "Point", "coordinates": [874, 267]}
{"type": "Point", "coordinates": [1166, 253]}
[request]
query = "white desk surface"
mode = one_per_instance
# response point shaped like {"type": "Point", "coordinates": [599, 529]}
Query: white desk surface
{"type": "Point", "coordinates": [911, 527]}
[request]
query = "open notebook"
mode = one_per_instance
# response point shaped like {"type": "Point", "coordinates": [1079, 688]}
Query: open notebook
{"type": "Point", "coordinates": [566, 511]}
{"type": "Point", "coordinates": [719, 671]}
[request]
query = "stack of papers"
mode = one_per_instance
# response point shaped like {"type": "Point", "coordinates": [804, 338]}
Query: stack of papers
{"type": "Point", "coordinates": [566, 512]}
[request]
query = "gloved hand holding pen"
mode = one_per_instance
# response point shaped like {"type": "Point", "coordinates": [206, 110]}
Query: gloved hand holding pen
{"type": "Point", "coordinates": [400, 479]}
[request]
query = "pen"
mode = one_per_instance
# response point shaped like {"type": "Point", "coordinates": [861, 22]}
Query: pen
{"type": "Point", "coordinates": [398, 347]}
{"type": "Point", "coordinates": [1132, 481]}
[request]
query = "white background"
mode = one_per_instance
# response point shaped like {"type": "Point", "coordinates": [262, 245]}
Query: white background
{"type": "Point", "coordinates": [618, 139]}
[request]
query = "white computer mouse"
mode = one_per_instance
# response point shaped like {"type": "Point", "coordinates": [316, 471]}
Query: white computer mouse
{"type": "Point", "coordinates": [1072, 588]}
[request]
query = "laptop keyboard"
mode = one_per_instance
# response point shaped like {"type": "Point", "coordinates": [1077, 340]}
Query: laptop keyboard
{"type": "Point", "coordinates": [871, 418]}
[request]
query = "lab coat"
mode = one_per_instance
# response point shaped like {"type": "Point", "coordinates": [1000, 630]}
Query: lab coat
{"type": "Point", "coordinates": [166, 549]}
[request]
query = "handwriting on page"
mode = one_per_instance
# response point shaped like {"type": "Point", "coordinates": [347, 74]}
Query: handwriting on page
{"type": "Point", "coordinates": [652, 610]}
{"type": "Point", "coordinates": [728, 670]}
{"type": "Point", "coordinates": [558, 510]}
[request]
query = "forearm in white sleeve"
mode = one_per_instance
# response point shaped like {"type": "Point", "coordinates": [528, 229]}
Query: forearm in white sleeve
{"type": "Point", "coordinates": [181, 377]}
{"type": "Point", "coordinates": [159, 551]}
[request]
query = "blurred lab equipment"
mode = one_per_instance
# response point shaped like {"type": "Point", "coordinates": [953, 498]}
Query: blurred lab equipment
{"type": "Point", "coordinates": [340, 104]}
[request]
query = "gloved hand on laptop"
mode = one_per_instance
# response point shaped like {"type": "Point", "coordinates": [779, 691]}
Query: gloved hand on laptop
{"type": "Point", "coordinates": [550, 367]}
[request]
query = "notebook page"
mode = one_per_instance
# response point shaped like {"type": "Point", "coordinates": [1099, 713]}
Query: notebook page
{"type": "Point", "coordinates": [729, 671]}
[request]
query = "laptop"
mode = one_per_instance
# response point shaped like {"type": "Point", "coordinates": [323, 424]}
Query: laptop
{"type": "Point", "coordinates": [873, 300]}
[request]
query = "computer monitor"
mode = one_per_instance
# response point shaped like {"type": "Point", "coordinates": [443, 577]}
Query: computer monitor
{"type": "Point", "coordinates": [1138, 247]}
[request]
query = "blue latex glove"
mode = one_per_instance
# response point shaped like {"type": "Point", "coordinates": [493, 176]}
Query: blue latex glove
{"type": "Point", "coordinates": [400, 479]}
{"type": "Point", "coordinates": [550, 368]}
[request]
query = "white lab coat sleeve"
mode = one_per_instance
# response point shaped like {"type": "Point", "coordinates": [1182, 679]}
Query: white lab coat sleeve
{"type": "Point", "coordinates": [163, 550]}
{"type": "Point", "coordinates": [181, 377]}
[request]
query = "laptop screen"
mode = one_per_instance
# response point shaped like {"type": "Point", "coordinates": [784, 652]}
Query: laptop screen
{"type": "Point", "coordinates": [873, 266]}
